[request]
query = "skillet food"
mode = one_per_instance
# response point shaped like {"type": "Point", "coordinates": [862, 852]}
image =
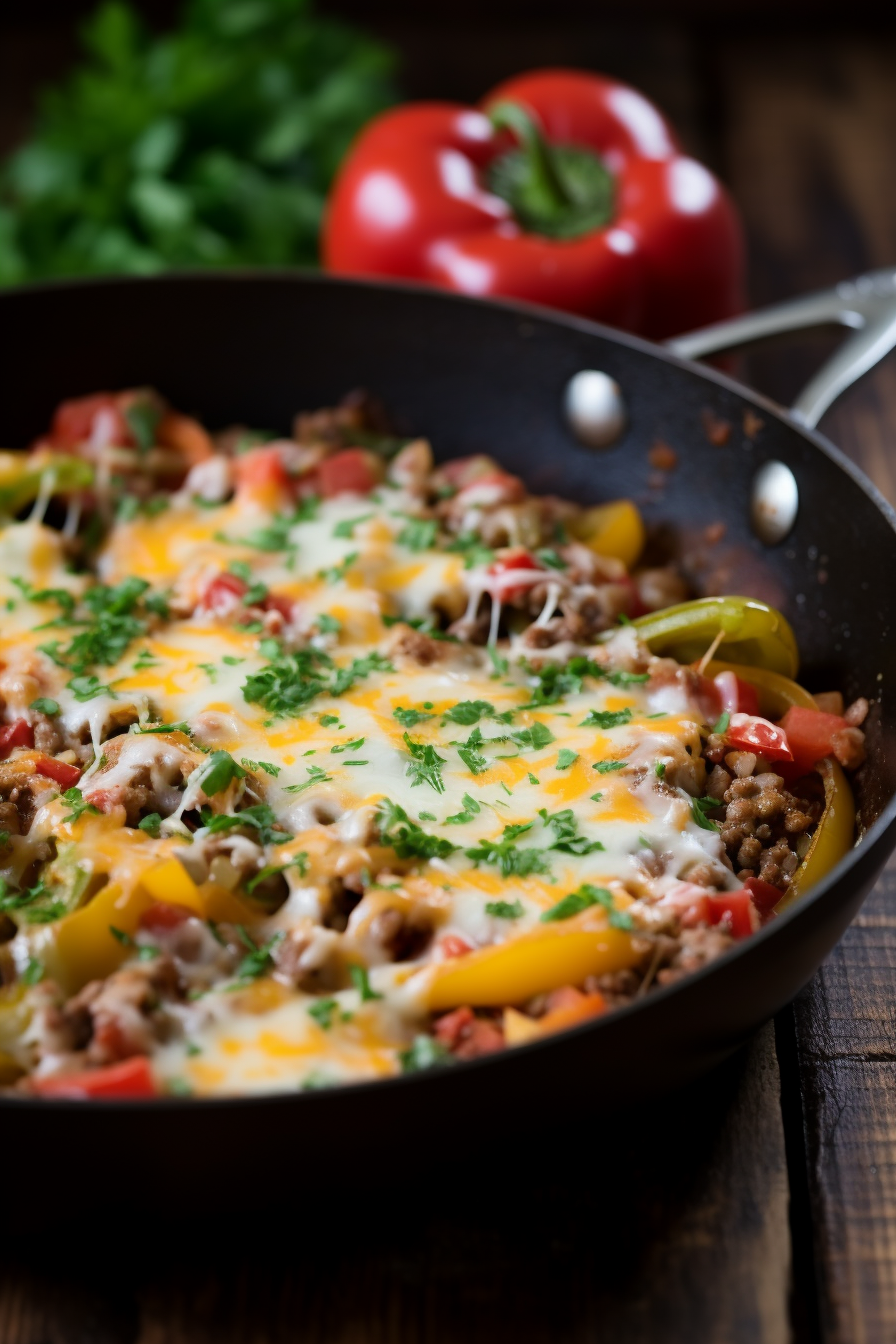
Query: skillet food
{"type": "Point", "coordinates": [321, 763]}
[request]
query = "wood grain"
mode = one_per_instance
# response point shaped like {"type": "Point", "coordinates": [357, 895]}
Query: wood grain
{"type": "Point", "coordinates": [812, 163]}
{"type": "Point", "coordinates": [667, 1227]}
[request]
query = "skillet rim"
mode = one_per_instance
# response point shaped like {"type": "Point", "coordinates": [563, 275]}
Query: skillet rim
{"type": "Point", "coordinates": [658, 996]}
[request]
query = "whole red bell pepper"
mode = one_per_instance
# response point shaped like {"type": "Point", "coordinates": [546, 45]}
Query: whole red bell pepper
{"type": "Point", "coordinates": [566, 189]}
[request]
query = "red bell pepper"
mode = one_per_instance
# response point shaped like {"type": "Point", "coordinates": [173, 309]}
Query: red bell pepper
{"type": "Point", "coordinates": [133, 1078]}
{"type": "Point", "coordinates": [809, 732]}
{"type": "Point", "coordinates": [59, 771]}
{"type": "Point", "coordinates": [567, 189]}
{"type": "Point", "coordinates": [19, 733]}
{"type": "Point", "coordinates": [749, 732]}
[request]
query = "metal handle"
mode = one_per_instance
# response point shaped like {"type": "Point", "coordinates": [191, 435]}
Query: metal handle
{"type": "Point", "coordinates": [866, 304]}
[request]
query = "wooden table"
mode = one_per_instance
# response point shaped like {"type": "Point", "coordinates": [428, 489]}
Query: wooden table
{"type": "Point", "coordinates": [759, 1206]}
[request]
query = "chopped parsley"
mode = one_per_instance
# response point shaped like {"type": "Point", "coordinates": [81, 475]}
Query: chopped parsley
{"type": "Point", "coordinates": [44, 705]}
{"type": "Point", "coordinates": [566, 837]}
{"type": "Point", "coordinates": [33, 972]}
{"type": "Point", "coordinates": [266, 766]}
{"type": "Point", "coordinates": [606, 767]}
{"type": "Point", "coordinates": [151, 825]}
{"type": "Point", "coordinates": [606, 718]}
{"type": "Point", "coordinates": [549, 557]}
{"type": "Point", "coordinates": [408, 839]}
{"type": "Point", "coordinates": [566, 758]}
{"type": "Point", "coordinates": [76, 802]}
{"type": "Point", "coordinates": [88, 688]}
{"type": "Point", "coordinates": [425, 766]}
{"type": "Point", "coordinates": [259, 818]}
{"type": "Point", "coordinates": [290, 681]}
{"type": "Point", "coordinates": [581, 899]}
{"type": "Point", "coordinates": [660, 769]}
{"type": "Point", "coordinates": [336, 573]}
{"type": "Point", "coordinates": [699, 809]}
{"type": "Point", "coordinates": [299, 861]}
{"type": "Point", "coordinates": [419, 534]}
{"type": "Point", "coordinates": [348, 746]}
{"type": "Point", "coordinates": [327, 624]}
{"type": "Point", "coordinates": [468, 712]}
{"type": "Point", "coordinates": [258, 959]}
{"type": "Point", "coordinates": [218, 773]}
{"type": "Point", "coordinates": [323, 1012]}
{"type": "Point", "coordinates": [425, 1053]}
{"type": "Point", "coordinates": [534, 738]}
{"type": "Point", "coordinates": [504, 909]}
{"type": "Point", "coordinates": [162, 728]}
{"type": "Point", "coordinates": [317, 776]}
{"type": "Point", "coordinates": [361, 982]}
{"type": "Point", "coordinates": [409, 718]}
{"type": "Point", "coordinates": [346, 528]}
{"type": "Point", "coordinates": [721, 724]}
{"type": "Point", "coordinates": [470, 810]}
{"type": "Point", "coordinates": [470, 754]}
{"type": "Point", "coordinates": [505, 855]}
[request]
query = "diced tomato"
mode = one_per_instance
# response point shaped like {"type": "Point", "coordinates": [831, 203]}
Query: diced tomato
{"type": "Point", "coordinates": [350, 472]}
{"type": "Point", "coordinates": [276, 602]}
{"type": "Point", "coordinates": [262, 470]}
{"type": "Point", "coordinates": [162, 916]}
{"type": "Point", "coordinates": [809, 733]}
{"type": "Point", "coordinates": [104, 799]}
{"type": "Point", "coordinates": [448, 1028]}
{"type": "Point", "coordinates": [461, 471]}
{"type": "Point", "coordinates": [706, 694]}
{"type": "Point", "coordinates": [16, 734]}
{"type": "Point", "coordinates": [224, 593]}
{"type": "Point", "coordinates": [64, 775]}
{"type": "Point", "coordinates": [737, 696]}
{"type": "Point", "coordinates": [748, 732]}
{"type": "Point", "coordinates": [132, 1078]}
{"type": "Point", "coordinates": [74, 422]}
{"type": "Point", "coordinates": [634, 607]}
{"type": "Point", "coordinates": [493, 488]}
{"type": "Point", "coordinates": [734, 909]}
{"type": "Point", "coordinates": [764, 896]}
{"type": "Point", "coordinates": [466, 1035]}
{"type": "Point", "coordinates": [503, 569]}
{"type": "Point", "coordinates": [453, 946]}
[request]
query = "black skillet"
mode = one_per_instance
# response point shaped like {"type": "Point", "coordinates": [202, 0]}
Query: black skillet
{"type": "Point", "coordinates": [477, 376]}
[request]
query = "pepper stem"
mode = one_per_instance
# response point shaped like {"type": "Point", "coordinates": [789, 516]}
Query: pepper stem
{"type": "Point", "coordinates": [561, 191]}
{"type": "Point", "coordinates": [545, 177]}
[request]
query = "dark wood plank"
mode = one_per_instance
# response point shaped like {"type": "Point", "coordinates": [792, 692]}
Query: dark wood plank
{"type": "Point", "coordinates": [666, 1227]}
{"type": "Point", "coordinates": [811, 162]}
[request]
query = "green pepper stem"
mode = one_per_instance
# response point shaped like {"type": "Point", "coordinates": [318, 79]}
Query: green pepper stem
{"type": "Point", "coordinates": [545, 177]}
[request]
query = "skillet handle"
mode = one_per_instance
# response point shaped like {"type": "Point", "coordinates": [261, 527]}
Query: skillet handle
{"type": "Point", "coordinates": [867, 305]}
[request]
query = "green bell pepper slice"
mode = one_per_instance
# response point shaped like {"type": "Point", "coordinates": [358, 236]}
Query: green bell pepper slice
{"type": "Point", "coordinates": [752, 633]}
{"type": "Point", "coordinates": [22, 474]}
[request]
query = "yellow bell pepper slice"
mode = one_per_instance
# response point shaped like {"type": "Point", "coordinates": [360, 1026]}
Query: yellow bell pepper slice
{"type": "Point", "coordinates": [835, 832]}
{"type": "Point", "coordinates": [615, 530]}
{"type": "Point", "coordinates": [544, 959]}
{"type": "Point", "coordinates": [82, 947]}
{"type": "Point", "coordinates": [170, 882]}
{"type": "Point", "coordinates": [753, 634]}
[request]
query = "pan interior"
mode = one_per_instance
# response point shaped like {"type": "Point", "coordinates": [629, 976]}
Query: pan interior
{"type": "Point", "coordinates": [481, 377]}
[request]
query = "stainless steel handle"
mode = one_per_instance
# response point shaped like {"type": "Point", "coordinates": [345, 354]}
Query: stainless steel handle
{"type": "Point", "coordinates": [867, 305]}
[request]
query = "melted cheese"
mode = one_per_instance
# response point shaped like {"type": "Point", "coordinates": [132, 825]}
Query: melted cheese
{"type": "Point", "coordinates": [332, 764]}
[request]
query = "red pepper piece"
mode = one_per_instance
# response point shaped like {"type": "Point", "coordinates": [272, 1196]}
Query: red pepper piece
{"type": "Point", "coordinates": [348, 472]}
{"type": "Point", "coordinates": [16, 734]}
{"type": "Point", "coordinates": [503, 570]}
{"type": "Point", "coordinates": [454, 946]}
{"type": "Point", "coordinates": [162, 917]}
{"type": "Point", "coordinates": [262, 469]}
{"type": "Point", "coordinates": [64, 775]}
{"type": "Point", "coordinates": [734, 909]}
{"type": "Point", "coordinates": [132, 1078]}
{"type": "Point", "coordinates": [748, 732]}
{"type": "Point", "coordinates": [765, 897]}
{"type": "Point", "coordinates": [809, 733]}
{"type": "Point", "coordinates": [568, 189]}
{"type": "Point", "coordinates": [76, 421]}
{"type": "Point", "coordinates": [224, 594]}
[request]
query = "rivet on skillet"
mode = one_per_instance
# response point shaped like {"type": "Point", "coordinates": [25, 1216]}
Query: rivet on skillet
{"type": "Point", "coordinates": [594, 408]}
{"type": "Point", "coordinates": [774, 502]}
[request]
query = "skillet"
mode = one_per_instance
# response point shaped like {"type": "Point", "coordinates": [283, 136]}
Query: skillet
{"type": "Point", "coordinates": [490, 377]}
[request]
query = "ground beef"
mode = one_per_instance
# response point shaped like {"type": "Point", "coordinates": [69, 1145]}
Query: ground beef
{"type": "Point", "coordinates": [413, 644]}
{"type": "Point", "coordinates": [760, 823]}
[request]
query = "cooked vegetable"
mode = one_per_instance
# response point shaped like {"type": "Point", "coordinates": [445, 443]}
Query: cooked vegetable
{"type": "Point", "coordinates": [751, 633]}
